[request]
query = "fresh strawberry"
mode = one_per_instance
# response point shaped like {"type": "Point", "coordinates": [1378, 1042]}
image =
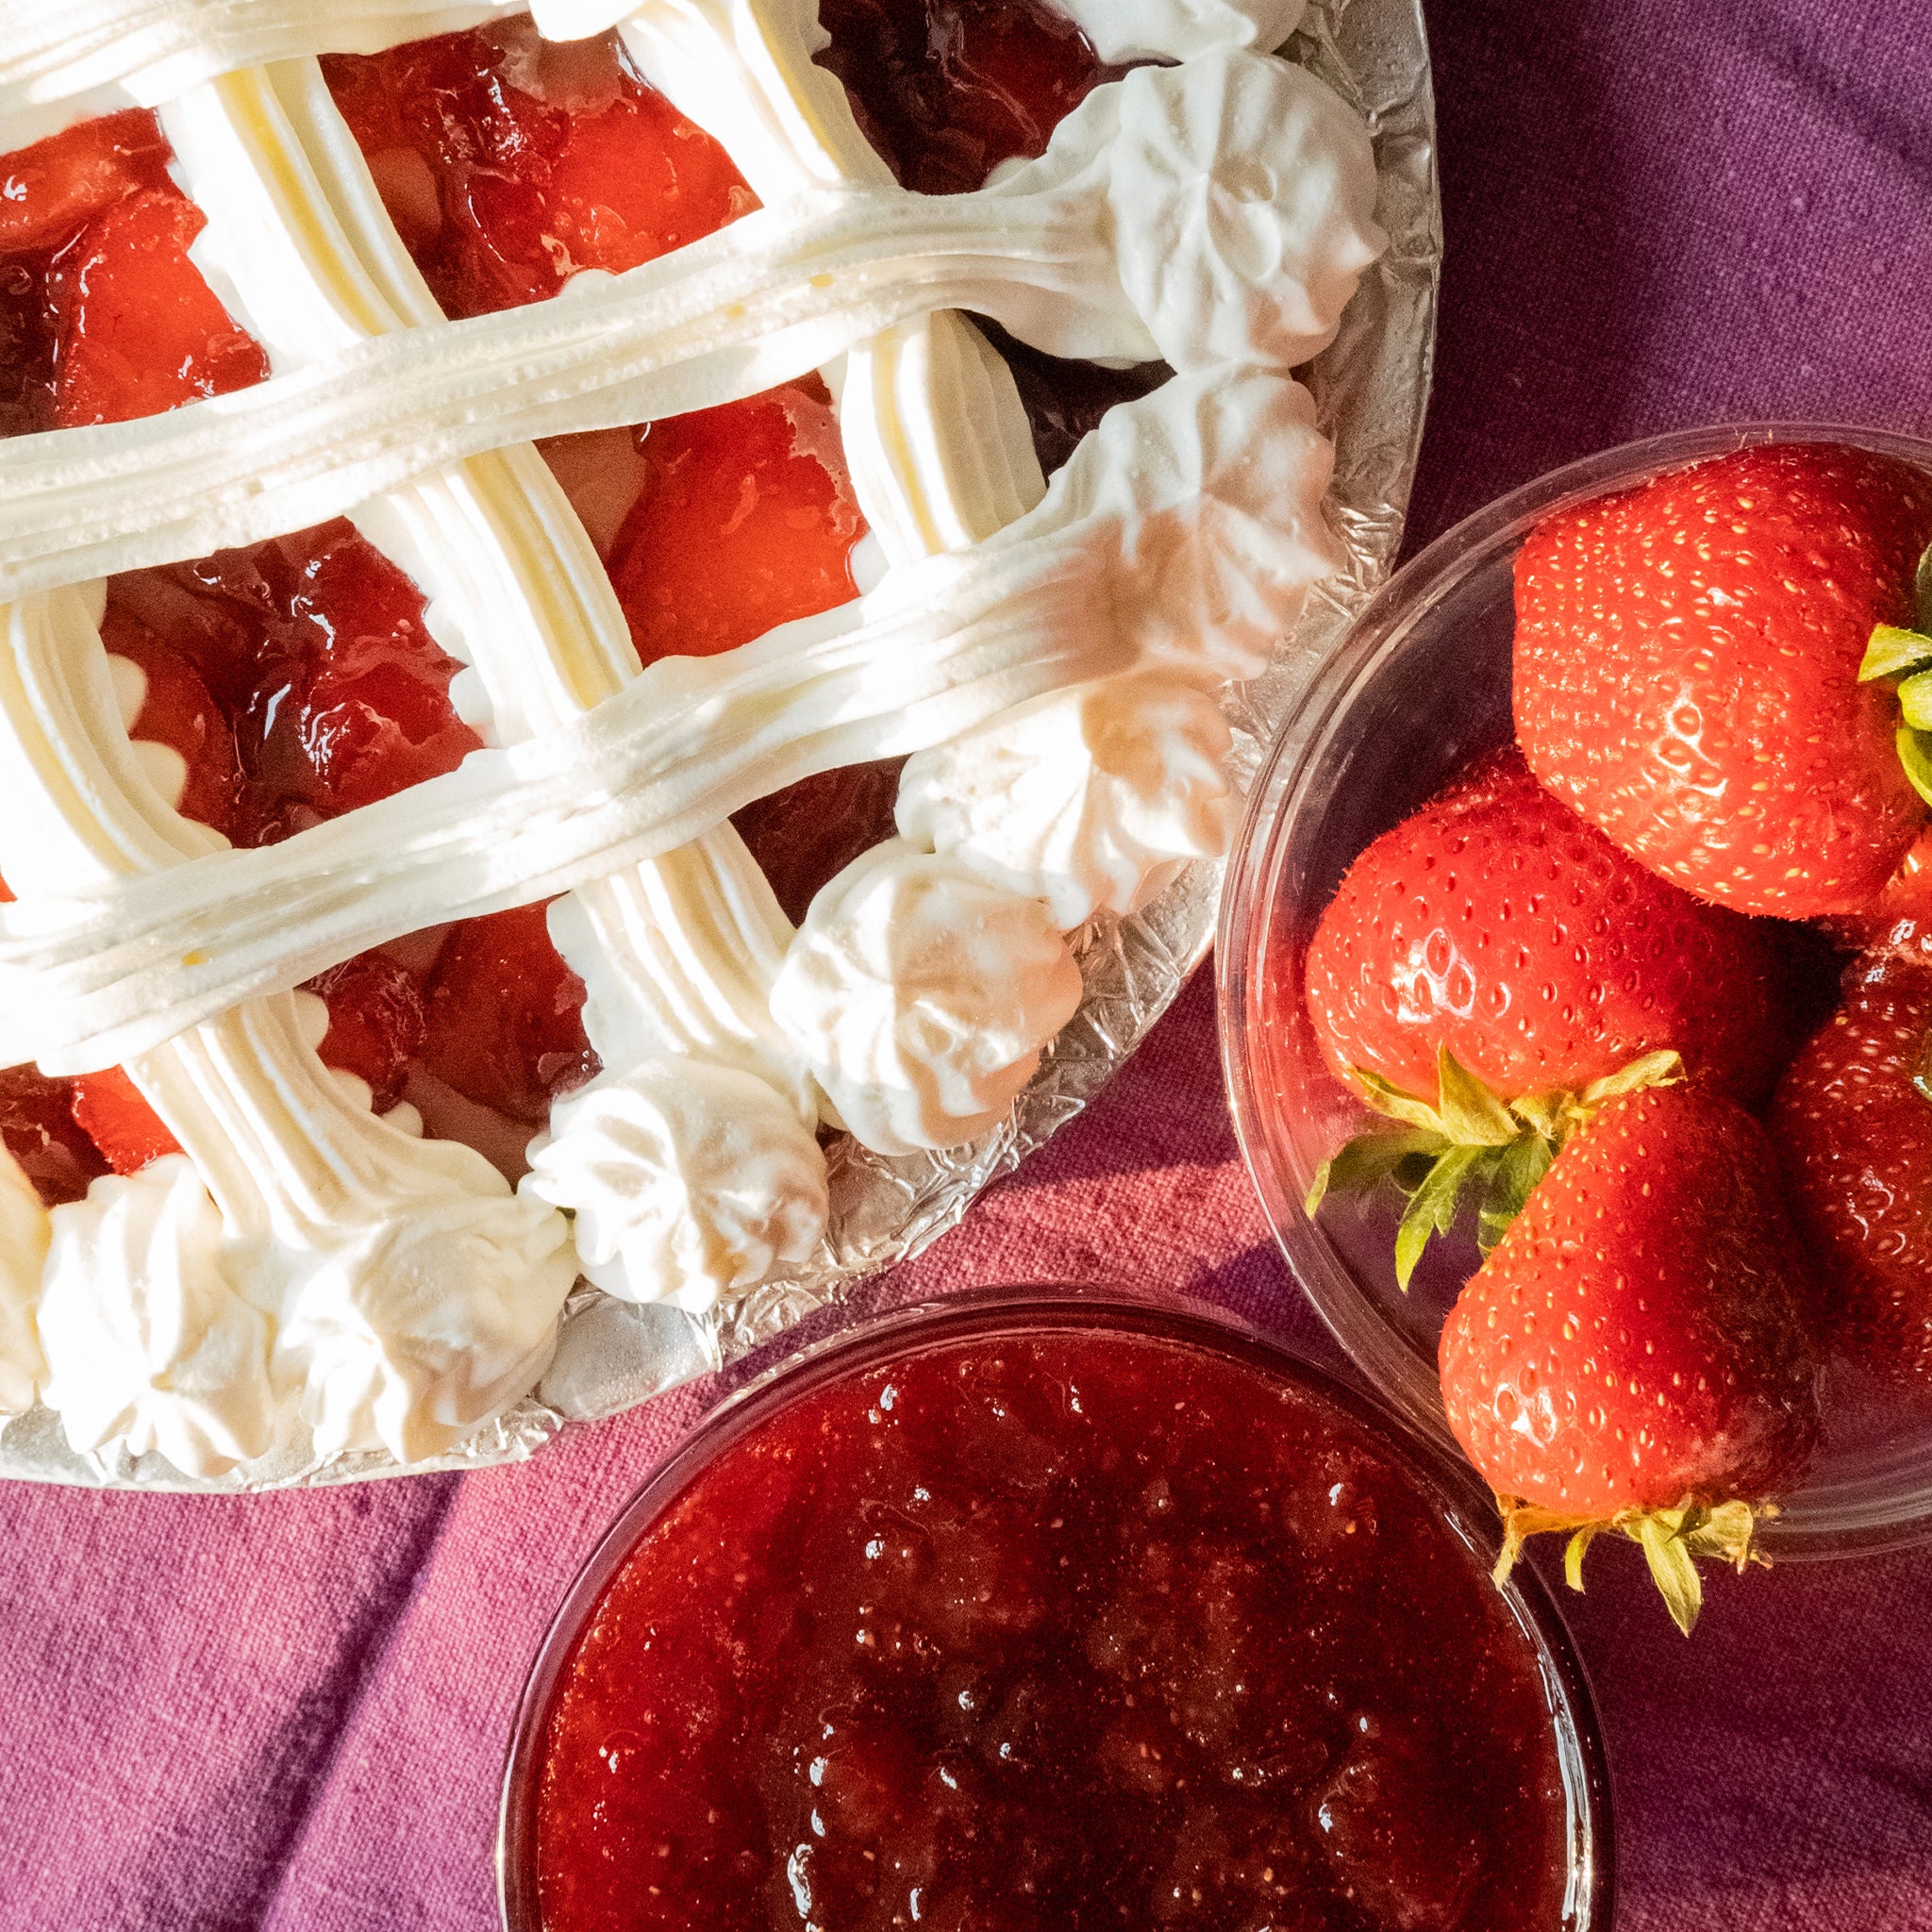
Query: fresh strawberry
{"type": "Point", "coordinates": [1688, 672]}
{"type": "Point", "coordinates": [120, 1122]}
{"type": "Point", "coordinates": [1636, 1354]}
{"type": "Point", "coordinates": [1493, 967]}
{"type": "Point", "coordinates": [1853, 1123]}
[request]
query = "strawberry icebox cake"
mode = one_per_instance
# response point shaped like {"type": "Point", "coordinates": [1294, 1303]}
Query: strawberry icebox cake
{"type": "Point", "coordinates": [1647, 994]}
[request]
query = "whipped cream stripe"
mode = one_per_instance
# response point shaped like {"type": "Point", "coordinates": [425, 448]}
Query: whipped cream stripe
{"type": "Point", "coordinates": [297, 232]}
{"type": "Point", "coordinates": [1167, 544]}
{"type": "Point", "coordinates": [1122, 241]}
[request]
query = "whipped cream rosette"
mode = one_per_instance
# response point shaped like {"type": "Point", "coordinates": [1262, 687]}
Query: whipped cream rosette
{"type": "Point", "coordinates": [1071, 669]}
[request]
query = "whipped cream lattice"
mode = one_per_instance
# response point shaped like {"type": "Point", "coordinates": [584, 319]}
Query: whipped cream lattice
{"type": "Point", "coordinates": [1047, 656]}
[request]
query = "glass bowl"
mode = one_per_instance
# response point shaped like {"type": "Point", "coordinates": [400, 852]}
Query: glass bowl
{"type": "Point", "coordinates": [990, 1315]}
{"type": "Point", "coordinates": [1421, 683]}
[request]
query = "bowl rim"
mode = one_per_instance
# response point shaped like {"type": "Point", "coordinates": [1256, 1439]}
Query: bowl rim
{"type": "Point", "coordinates": [1277, 801]}
{"type": "Point", "coordinates": [1459, 1500]}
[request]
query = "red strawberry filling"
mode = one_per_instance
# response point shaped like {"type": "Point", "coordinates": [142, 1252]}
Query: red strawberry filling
{"type": "Point", "coordinates": [297, 680]}
{"type": "Point", "coordinates": [509, 164]}
{"type": "Point", "coordinates": [947, 89]}
{"type": "Point", "coordinates": [103, 317]}
{"type": "Point", "coordinates": [54, 1152]}
{"type": "Point", "coordinates": [295, 676]}
{"type": "Point", "coordinates": [744, 519]}
{"type": "Point", "coordinates": [120, 1122]}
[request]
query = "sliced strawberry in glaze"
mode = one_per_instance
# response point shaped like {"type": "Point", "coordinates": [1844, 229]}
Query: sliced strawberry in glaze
{"type": "Point", "coordinates": [178, 710]}
{"type": "Point", "coordinates": [506, 1016]}
{"type": "Point", "coordinates": [140, 331]}
{"type": "Point", "coordinates": [120, 1122]}
{"type": "Point", "coordinates": [37, 1124]}
{"type": "Point", "coordinates": [509, 163]}
{"type": "Point", "coordinates": [804, 835]}
{"type": "Point", "coordinates": [747, 520]}
{"type": "Point", "coordinates": [55, 187]}
{"type": "Point", "coordinates": [946, 90]}
{"type": "Point", "coordinates": [375, 1022]}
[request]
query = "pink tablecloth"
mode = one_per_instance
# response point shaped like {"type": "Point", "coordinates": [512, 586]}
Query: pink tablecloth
{"type": "Point", "coordinates": [289, 1712]}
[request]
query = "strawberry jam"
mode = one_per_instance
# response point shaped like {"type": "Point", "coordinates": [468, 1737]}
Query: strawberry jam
{"type": "Point", "coordinates": [1053, 1630]}
{"type": "Point", "coordinates": [37, 1121]}
{"type": "Point", "coordinates": [508, 163]}
{"type": "Point", "coordinates": [103, 317]}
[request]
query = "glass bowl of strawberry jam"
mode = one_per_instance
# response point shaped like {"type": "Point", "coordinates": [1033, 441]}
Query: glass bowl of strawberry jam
{"type": "Point", "coordinates": [1052, 1609]}
{"type": "Point", "coordinates": [1419, 688]}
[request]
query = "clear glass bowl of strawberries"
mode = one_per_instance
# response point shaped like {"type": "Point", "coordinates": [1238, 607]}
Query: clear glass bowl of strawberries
{"type": "Point", "coordinates": [1576, 997]}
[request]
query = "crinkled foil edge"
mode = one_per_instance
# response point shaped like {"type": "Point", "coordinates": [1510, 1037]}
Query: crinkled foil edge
{"type": "Point", "coordinates": [1371, 391]}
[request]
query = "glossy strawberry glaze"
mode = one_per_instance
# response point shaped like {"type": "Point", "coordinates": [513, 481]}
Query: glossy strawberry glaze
{"type": "Point", "coordinates": [103, 317]}
{"type": "Point", "coordinates": [946, 90]}
{"type": "Point", "coordinates": [297, 680]}
{"type": "Point", "coordinates": [744, 519]}
{"type": "Point", "coordinates": [509, 164]}
{"type": "Point", "coordinates": [295, 676]}
{"type": "Point", "coordinates": [1045, 1633]}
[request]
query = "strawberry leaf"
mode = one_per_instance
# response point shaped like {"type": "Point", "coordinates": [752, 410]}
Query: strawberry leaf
{"type": "Point", "coordinates": [1516, 1171]}
{"type": "Point", "coordinates": [1573, 1553]}
{"type": "Point", "coordinates": [1915, 754]}
{"type": "Point", "coordinates": [1432, 1208]}
{"type": "Point", "coordinates": [1471, 1115]}
{"type": "Point", "coordinates": [1388, 1098]}
{"type": "Point", "coordinates": [1369, 1159]}
{"type": "Point", "coordinates": [1922, 589]}
{"type": "Point", "coordinates": [1726, 1532]}
{"type": "Point", "coordinates": [1547, 1114]}
{"type": "Point", "coordinates": [1673, 1571]}
{"type": "Point", "coordinates": [1664, 1069]}
{"type": "Point", "coordinates": [1915, 700]}
{"type": "Point", "coordinates": [1670, 1540]}
{"type": "Point", "coordinates": [1891, 652]}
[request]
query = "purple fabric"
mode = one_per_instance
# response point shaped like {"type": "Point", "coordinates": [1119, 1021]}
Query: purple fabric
{"type": "Point", "coordinates": [289, 1712]}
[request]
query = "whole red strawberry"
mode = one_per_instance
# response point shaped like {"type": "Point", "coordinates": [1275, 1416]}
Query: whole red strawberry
{"type": "Point", "coordinates": [1636, 1354]}
{"type": "Point", "coordinates": [1494, 969]}
{"type": "Point", "coordinates": [1853, 1123]}
{"type": "Point", "coordinates": [1495, 922]}
{"type": "Point", "coordinates": [1688, 664]}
